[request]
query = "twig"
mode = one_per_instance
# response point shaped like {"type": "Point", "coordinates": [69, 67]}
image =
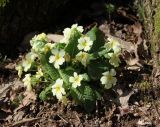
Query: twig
{"type": "Point", "coordinates": [62, 118]}
{"type": "Point", "coordinates": [156, 108]}
{"type": "Point", "coordinates": [24, 121]}
{"type": "Point", "coordinates": [77, 117]}
{"type": "Point", "coordinates": [40, 112]}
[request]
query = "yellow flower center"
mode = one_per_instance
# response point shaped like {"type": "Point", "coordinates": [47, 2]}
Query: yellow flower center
{"type": "Point", "coordinates": [83, 56]}
{"type": "Point", "coordinates": [84, 43]}
{"type": "Point", "coordinates": [58, 89]}
{"type": "Point", "coordinates": [77, 79]}
{"type": "Point", "coordinates": [57, 57]}
{"type": "Point", "coordinates": [109, 77]}
{"type": "Point", "coordinates": [114, 43]}
{"type": "Point", "coordinates": [46, 49]}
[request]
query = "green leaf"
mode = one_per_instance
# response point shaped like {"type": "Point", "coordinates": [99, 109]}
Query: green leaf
{"type": "Point", "coordinates": [76, 95]}
{"type": "Point", "coordinates": [85, 77]}
{"type": "Point", "coordinates": [110, 8]}
{"type": "Point", "coordinates": [98, 94]}
{"type": "Point", "coordinates": [48, 67]}
{"type": "Point", "coordinates": [65, 74]}
{"type": "Point", "coordinates": [34, 80]}
{"type": "Point", "coordinates": [89, 98]}
{"type": "Point", "coordinates": [60, 45]}
{"type": "Point", "coordinates": [97, 37]}
{"type": "Point", "coordinates": [85, 96]}
{"type": "Point", "coordinates": [37, 45]}
{"type": "Point", "coordinates": [71, 47]}
{"type": "Point", "coordinates": [44, 93]}
{"type": "Point", "coordinates": [96, 68]}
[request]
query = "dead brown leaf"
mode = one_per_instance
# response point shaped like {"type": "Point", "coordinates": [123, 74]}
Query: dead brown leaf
{"type": "Point", "coordinates": [29, 98]}
{"type": "Point", "coordinates": [18, 116]}
{"type": "Point", "coordinates": [144, 122]}
{"type": "Point", "coordinates": [122, 100]}
{"type": "Point", "coordinates": [137, 28]}
{"type": "Point", "coordinates": [5, 87]}
{"type": "Point", "coordinates": [10, 66]}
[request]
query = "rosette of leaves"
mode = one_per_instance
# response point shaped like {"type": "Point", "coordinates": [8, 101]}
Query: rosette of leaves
{"type": "Point", "coordinates": [91, 88]}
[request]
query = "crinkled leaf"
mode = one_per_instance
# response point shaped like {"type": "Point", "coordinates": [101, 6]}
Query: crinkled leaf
{"type": "Point", "coordinates": [44, 93]}
{"type": "Point", "coordinates": [38, 44]}
{"type": "Point", "coordinates": [89, 98]}
{"type": "Point", "coordinates": [48, 67]}
{"type": "Point", "coordinates": [97, 37]}
{"type": "Point", "coordinates": [34, 80]}
{"type": "Point", "coordinates": [71, 47]}
{"type": "Point", "coordinates": [65, 74]}
{"type": "Point", "coordinates": [60, 45]}
{"type": "Point", "coordinates": [85, 96]}
{"type": "Point", "coordinates": [96, 68]}
{"type": "Point", "coordinates": [98, 95]}
{"type": "Point", "coordinates": [85, 77]}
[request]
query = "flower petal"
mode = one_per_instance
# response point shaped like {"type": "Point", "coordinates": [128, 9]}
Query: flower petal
{"type": "Point", "coordinates": [71, 79]}
{"type": "Point", "coordinates": [112, 72]}
{"type": "Point", "coordinates": [61, 53]}
{"type": "Point", "coordinates": [51, 59]}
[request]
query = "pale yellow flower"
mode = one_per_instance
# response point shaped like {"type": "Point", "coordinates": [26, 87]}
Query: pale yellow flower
{"type": "Point", "coordinates": [108, 78]}
{"type": "Point", "coordinates": [31, 56]}
{"type": "Point", "coordinates": [83, 57]}
{"type": "Point", "coordinates": [85, 43]}
{"type": "Point", "coordinates": [48, 47]}
{"type": "Point", "coordinates": [41, 37]}
{"type": "Point", "coordinates": [38, 42]}
{"type": "Point", "coordinates": [39, 73]}
{"type": "Point", "coordinates": [114, 59]}
{"type": "Point", "coordinates": [76, 80]}
{"type": "Point", "coordinates": [27, 82]}
{"type": "Point", "coordinates": [113, 44]}
{"type": "Point", "coordinates": [67, 32]}
{"type": "Point", "coordinates": [20, 70]}
{"type": "Point", "coordinates": [64, 100]}
{"type": "Point", "coordinates": [58, 90]}
{"type": "Point", "coordinates": [27, 62]}
{"type": "Point", "coordinates": [79, 28]}
{"type": "Point", "coordinates": [67, 57]}
{"type": "Point", "coordinates": [57, 58]}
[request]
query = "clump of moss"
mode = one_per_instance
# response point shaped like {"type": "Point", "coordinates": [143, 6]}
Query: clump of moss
{"type": "Point", "coordinates": [157, 19]}
{"type": "Point", "coordinates": [145, 86]}
{"type": "Point", "coordinates": [156, 33]}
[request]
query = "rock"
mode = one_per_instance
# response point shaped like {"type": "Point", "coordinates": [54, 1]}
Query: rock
{"type": "Point", "coordinates": [55, 37]}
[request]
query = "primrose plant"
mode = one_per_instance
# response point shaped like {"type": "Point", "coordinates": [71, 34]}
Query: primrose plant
{"type": "Point", "coordinates": [79, 67]}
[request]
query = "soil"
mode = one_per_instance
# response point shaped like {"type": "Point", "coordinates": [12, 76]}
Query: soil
{"type": "Point", "coordinates": [134, 102]}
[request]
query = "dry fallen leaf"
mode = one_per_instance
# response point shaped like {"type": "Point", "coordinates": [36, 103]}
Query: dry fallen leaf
{"type": "Point", "coordinates": [10, 66]}
{"type": "Point", "coordinates": [29, 98]}
{"type": "Point", "coordinates": [18, 116]}
{"type": "Point", "coordinates": [137, 28]}
{"type": "Point", "coordinates": [5, 87]}
{"type": "Point", "coordinates": [123, 99]}
{"type": "Point", "coordinates": [144, 122]}
{"type": "Point", "coordinates": [133, 48]}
